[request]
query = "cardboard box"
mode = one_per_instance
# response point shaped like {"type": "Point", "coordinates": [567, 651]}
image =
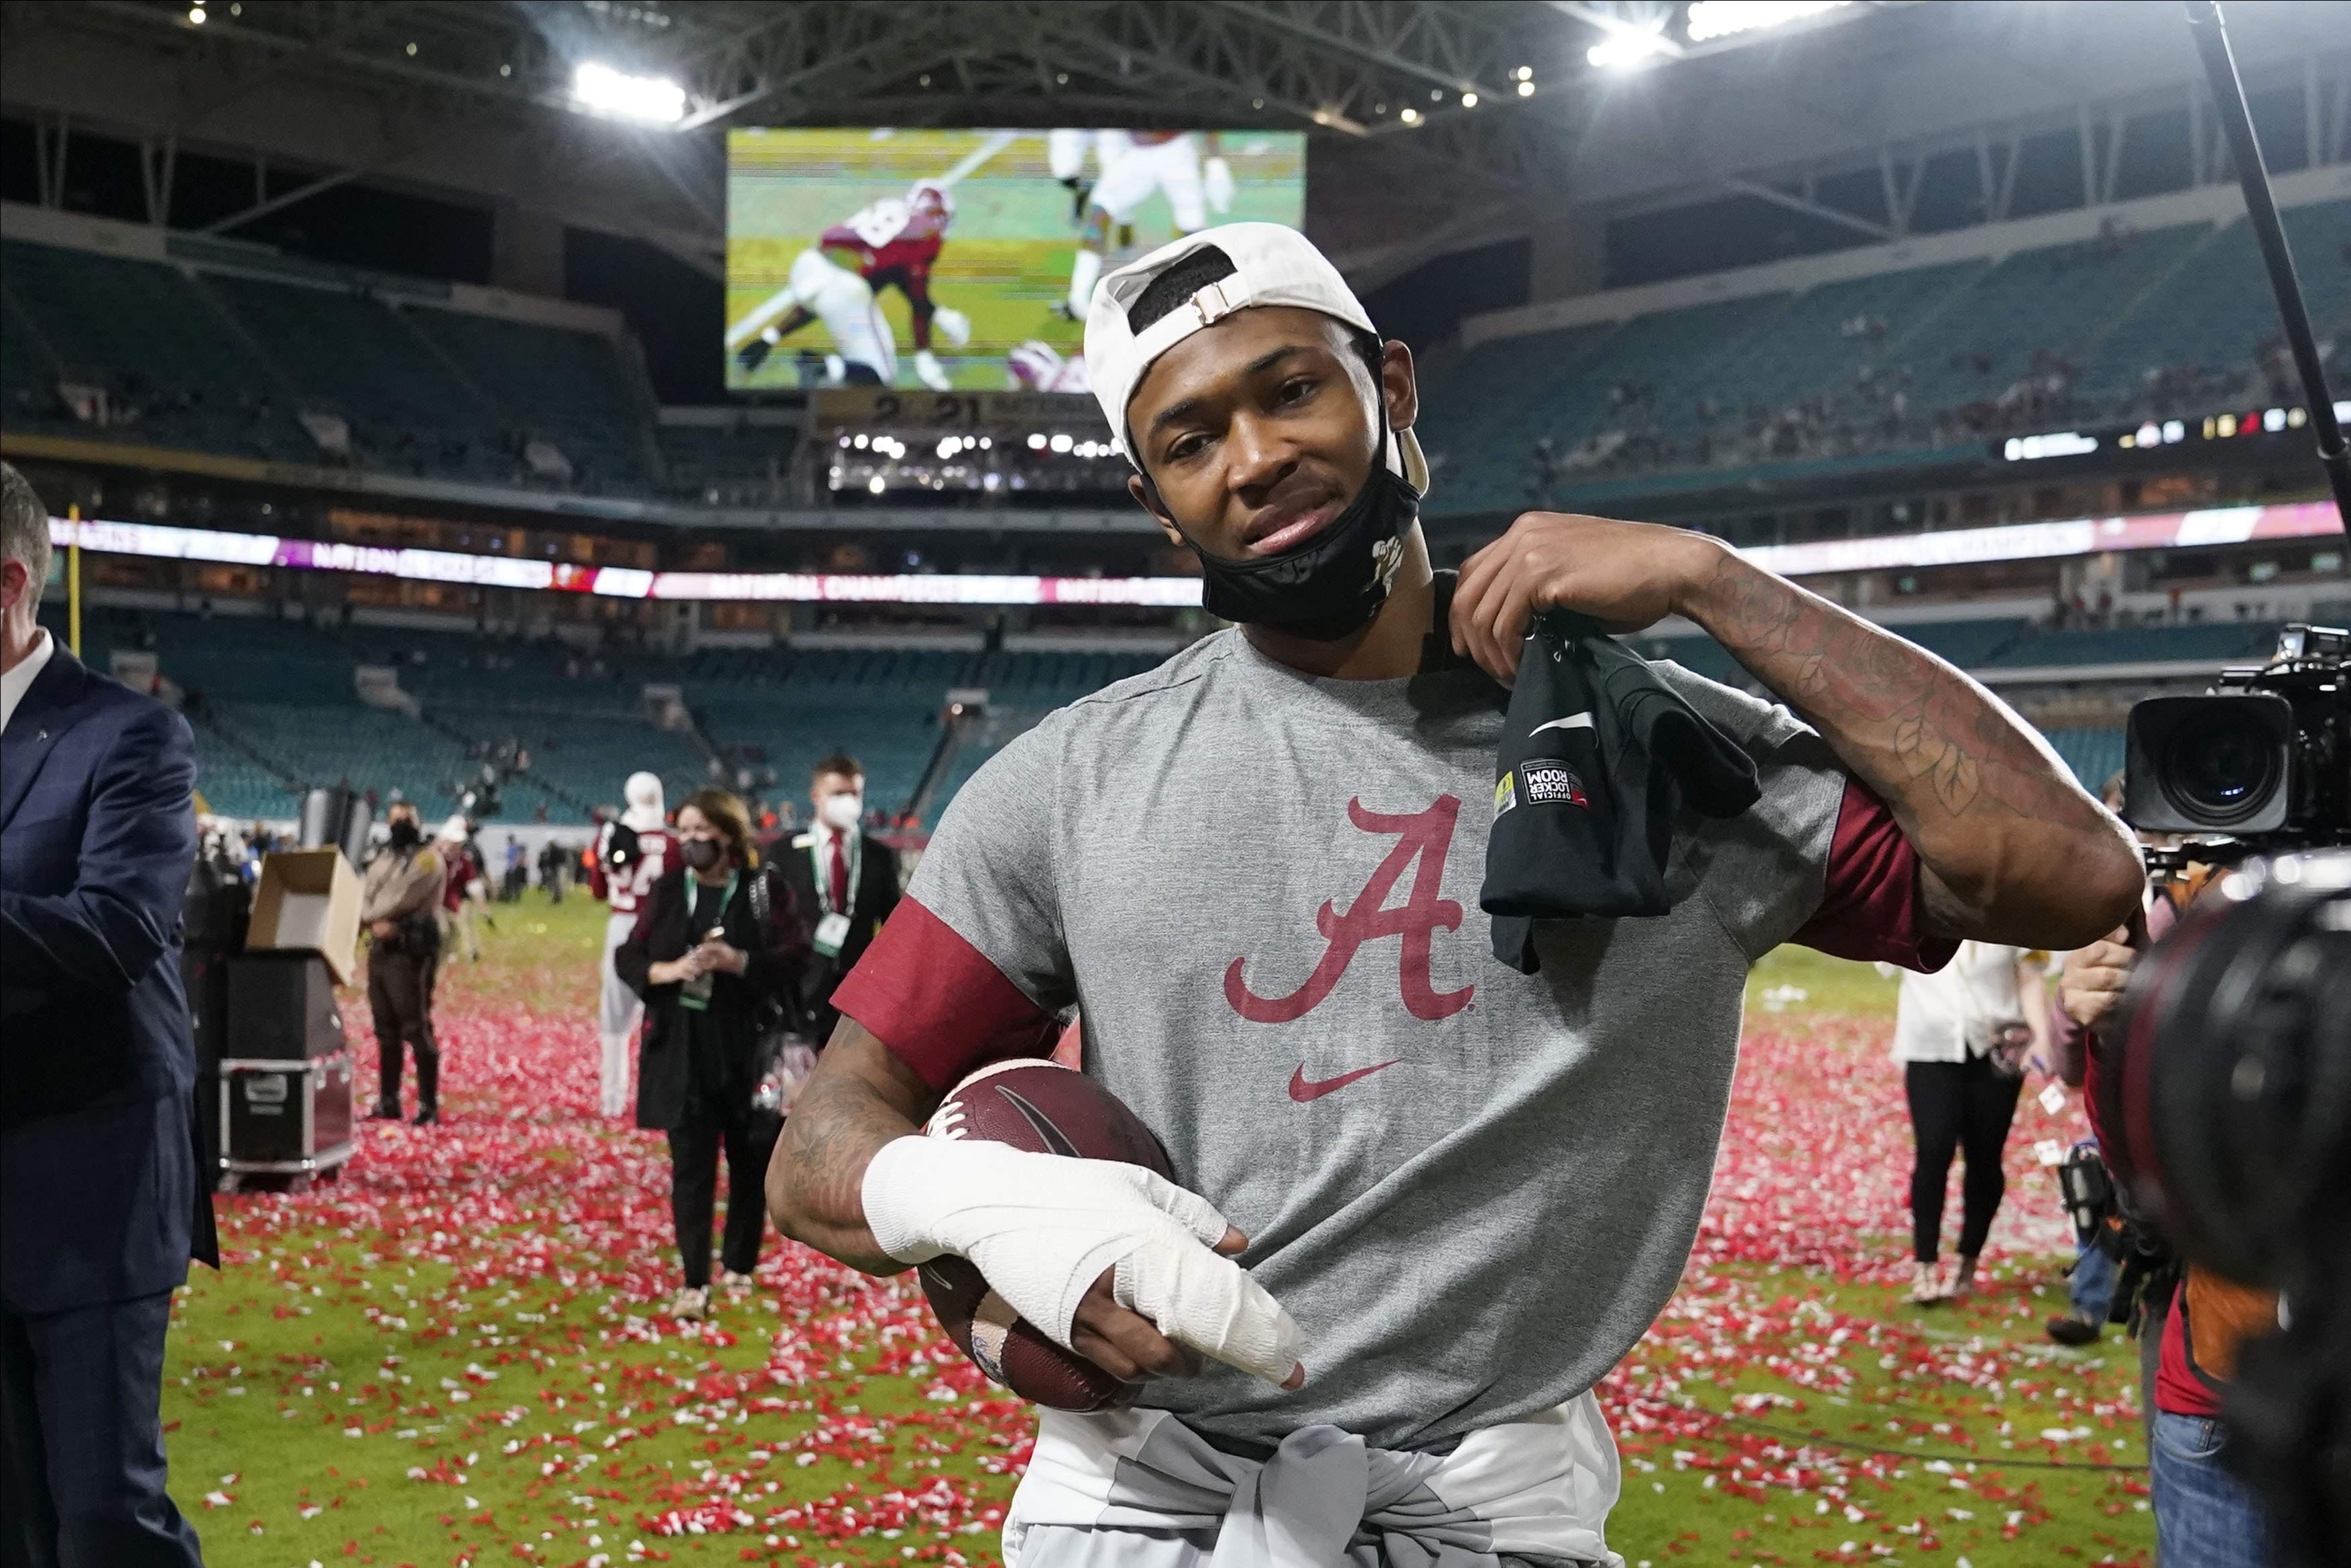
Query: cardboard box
{"type": "Point", "coordinates": [309, 901]}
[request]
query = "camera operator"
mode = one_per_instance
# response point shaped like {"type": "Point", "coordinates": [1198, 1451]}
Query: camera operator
{"type": "Point", "coordinates": [2090, 1284]}
{"type": "Point", "coordinates": [2194, 1326]}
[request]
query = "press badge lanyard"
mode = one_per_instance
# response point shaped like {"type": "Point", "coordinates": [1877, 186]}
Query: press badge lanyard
{"type": "Point", "coordinates": [695, 993]}
{"type": "Point", "coordinates": [832, 926]}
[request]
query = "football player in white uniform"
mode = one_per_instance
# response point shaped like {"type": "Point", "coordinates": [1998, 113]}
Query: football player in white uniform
{"type": "Point", "coordinates": [1135, 163]}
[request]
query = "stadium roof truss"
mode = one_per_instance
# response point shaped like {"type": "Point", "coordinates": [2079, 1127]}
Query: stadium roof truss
{"type": "Point", "coordinates": [1504, 114]}
{"type": "Point", "coordinates": [424, 76]}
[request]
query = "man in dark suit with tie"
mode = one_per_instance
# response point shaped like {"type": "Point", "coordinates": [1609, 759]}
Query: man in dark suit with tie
{"type": "Point", "coordinates": [101, 1201]}
{"type": "Point", "coordinates": [846, 881]}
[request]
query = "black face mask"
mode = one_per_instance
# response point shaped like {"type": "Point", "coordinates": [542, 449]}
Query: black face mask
{"type": "Point", "coordinates": [405, 836]}
{"type": "Point", "coordinates": [1328, 586]}
{"type": "Point", "coordinates": [702, 855]}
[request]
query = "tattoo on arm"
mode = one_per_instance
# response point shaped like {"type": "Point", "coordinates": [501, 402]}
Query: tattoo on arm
{"type": "Point", "coordinates": [1983, 801]}
{"type": "Point", "coordinates": [859, 1098]}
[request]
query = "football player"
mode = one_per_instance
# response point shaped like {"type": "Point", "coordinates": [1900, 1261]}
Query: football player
{"type": "Point", "coordinates": [889, 244]}
{"type": "Point", "coordinates": [1427, 1201]}
{"type": "Point", "coordinates": [1135, 163]}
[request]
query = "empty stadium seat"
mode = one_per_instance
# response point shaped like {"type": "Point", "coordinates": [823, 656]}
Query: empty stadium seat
{"type": "Point", "coordinates": [351, 356]}
{"type": "Point", "coordinates": [2227, 642]}
{"type": "Point", "coordinates": [176, 373]}
{"type": "Point", "coordinates": [224, 362]}
{"type": "Point", "coordinates": [1685, 390]}
{"type": "Point", "coordinates": [568, 386]}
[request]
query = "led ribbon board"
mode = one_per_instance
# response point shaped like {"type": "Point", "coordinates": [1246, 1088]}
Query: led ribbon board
{"type": "Point", "coordinates": [1954, 547]}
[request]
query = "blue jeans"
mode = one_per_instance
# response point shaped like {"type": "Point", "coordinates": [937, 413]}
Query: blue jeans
{"type": "Point", "coordinates": [2204, 1516]}
{"type": "Point", "coordinates": [2092, 1285]}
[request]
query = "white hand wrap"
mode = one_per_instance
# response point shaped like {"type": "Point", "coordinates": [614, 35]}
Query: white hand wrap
{"type": "Point", "coordinates": [1041, 1228]}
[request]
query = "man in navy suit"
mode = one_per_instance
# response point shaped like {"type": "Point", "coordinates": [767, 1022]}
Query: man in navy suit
{"type": "Point", "coordinates": [99, 1198]}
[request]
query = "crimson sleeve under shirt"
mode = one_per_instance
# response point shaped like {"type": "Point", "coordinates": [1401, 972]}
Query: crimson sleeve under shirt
{"type": "Point", "coordinates": [973, 966]}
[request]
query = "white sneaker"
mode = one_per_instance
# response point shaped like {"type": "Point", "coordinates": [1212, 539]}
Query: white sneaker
{"type": "Point", "coordinates": [1926, 1285]}
{"type": "Point", "coordinates": [691, 1304]}
{"type": "Point", "coordinates": [736, 1284]}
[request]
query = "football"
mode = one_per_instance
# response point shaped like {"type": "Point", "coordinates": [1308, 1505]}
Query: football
{"type": "Point", "coordinates": [1049, 1110]}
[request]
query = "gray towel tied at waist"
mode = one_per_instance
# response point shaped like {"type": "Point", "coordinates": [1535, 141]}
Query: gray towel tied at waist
{"type": "Point", "coordinates": [1537, 1488]}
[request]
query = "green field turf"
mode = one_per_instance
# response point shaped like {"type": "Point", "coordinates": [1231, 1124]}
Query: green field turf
{"type": "Point", "coordinates": [455, 1355]}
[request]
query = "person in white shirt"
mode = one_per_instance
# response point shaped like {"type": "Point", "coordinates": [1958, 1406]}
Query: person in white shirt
{"type": "Point", "coordinates": [631, 855]}
{"type": "Point", "coordinates": [1965, 1035]}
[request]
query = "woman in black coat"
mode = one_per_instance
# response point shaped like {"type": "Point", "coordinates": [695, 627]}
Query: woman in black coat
{"type": "Point", "coordinates": [707, 968]}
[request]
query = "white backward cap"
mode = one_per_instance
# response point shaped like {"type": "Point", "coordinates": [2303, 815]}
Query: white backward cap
{"type": "Point", "coordinates": [1273, 265]}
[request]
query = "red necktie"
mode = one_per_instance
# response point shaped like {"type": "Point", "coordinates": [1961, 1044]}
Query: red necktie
{"type": "Point", "coordinates": [840, 877]}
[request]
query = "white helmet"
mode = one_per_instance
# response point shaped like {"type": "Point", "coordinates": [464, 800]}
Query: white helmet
{"type": "Point", "coordinates": [643, 792]}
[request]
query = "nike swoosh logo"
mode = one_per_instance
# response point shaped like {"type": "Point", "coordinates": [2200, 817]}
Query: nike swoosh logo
{"type": "Point", "coordinates": [1572, 721]}
{"type": "Point", "coordinates": [1302, 1088]}
{"type": "Point", "coordinates": [1036, 1119]}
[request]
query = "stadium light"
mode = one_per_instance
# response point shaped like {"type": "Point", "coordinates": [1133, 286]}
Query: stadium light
{"type": "Point", "coordinates": [1410, 116]}
{"type": "Point", "coordinates": [2057, 443]}
{"type": "Point", "coordinates": [196, 15]}
{"type": "Point", "coordinates": [1721, 18]}
{"type": "Point", "coordinates": [1627, 51]}
{"type": "Point", "coordinates": [656, 99]}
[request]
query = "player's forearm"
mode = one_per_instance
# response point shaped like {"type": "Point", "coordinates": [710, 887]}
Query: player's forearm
{"type": "Point", "coordinates": [859, 1098]}
{"type": "Point", "coordinates": [2012, 849]}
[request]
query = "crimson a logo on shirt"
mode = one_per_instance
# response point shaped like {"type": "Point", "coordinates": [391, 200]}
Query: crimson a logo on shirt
{"type": "Point", "coordinates": [1424, 838]}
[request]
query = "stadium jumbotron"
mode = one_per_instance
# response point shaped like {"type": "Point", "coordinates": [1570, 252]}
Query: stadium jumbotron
{"type": "Point", "coordinates": [452, 413]}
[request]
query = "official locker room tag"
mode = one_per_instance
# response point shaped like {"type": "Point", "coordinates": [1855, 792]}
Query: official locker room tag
{"type": "Point", "coordinates": [831, 932]}
{"type": "Point", "coordinates": [2053, 1099]}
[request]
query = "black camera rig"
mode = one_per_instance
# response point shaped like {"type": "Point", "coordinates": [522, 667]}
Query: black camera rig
{"type": "Point", "coordinates": [2259, 765]}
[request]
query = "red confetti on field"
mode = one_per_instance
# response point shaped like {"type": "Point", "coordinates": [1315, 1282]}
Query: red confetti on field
{"type": "Point", "coordinates": [524, 1187]}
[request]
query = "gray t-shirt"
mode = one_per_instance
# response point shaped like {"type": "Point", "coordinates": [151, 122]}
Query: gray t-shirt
{"type": "Point", "coordinates": [1473, 1188]}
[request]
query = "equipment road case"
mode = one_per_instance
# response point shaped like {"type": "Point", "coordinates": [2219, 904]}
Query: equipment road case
{"type": "Point", "coordinates": [285, 1117]}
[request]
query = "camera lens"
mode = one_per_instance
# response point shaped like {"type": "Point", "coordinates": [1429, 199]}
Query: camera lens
{"type": "Point", "coordinates": [2222, 766]}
